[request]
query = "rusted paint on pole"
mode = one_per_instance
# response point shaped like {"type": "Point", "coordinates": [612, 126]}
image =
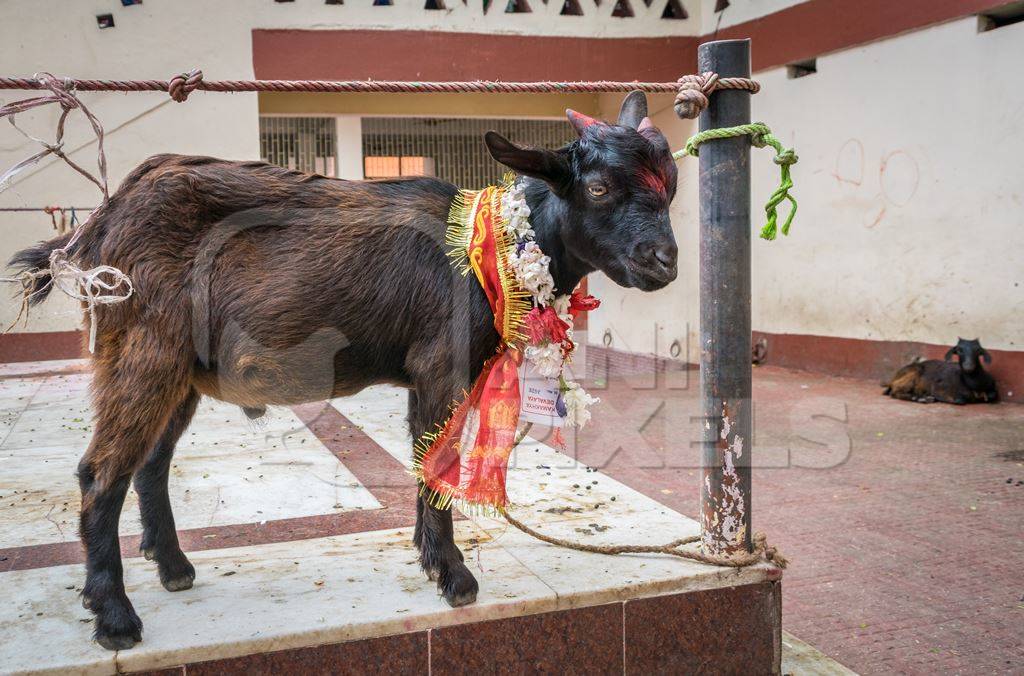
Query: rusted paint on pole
{"type": "Point", "coordinates": [725, 367]}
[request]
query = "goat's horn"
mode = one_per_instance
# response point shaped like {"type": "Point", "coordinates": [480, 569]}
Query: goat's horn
{"type": "Point", "coordinates": [579, 121]}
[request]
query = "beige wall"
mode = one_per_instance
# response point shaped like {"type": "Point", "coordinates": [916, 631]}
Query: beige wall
{"type": "Point", "coordinates": [909, 180]}
{"type": "Point", "coordinates": [911, 192]}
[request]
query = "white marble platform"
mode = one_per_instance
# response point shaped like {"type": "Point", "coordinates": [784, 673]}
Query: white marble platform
{"type": "Point", "coordinates": [224, 467]}
{"type": "Point", "coordinates": [308, 592]}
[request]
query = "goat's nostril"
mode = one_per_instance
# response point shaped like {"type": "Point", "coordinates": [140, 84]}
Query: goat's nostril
{"type": "Point", "coordinates": [666, 255]}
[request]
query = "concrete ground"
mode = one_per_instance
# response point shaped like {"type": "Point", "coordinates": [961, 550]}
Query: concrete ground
{"type": "Point", "coordinates": [902, 521]}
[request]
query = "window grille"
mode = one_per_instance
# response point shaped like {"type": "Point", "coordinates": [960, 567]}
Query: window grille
{"type": "Point", "coordinates": [449, 148]}
{"type": "Point", "coordinates": [302, 143]}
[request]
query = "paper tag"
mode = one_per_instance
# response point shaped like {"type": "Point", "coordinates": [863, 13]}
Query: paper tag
{"type": "Point", "coordinates": [539, 395]}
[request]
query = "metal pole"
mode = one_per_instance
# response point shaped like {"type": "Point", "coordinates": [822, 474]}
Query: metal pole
{"type": "Point", "coordinates": [725, 367]}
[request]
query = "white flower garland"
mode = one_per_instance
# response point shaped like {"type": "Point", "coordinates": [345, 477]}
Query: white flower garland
{"type": "Point", "coordinates": [531, 268]}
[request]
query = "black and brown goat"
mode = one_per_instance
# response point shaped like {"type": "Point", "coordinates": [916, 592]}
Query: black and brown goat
{"type": "Point", "coordinates": [966, 382]}
{"type": "Point", "coordinates": [258, 285]}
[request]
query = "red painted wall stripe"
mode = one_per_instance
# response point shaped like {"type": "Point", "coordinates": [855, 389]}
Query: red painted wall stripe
{"type": "Point", "coordinates": [792, 34]}
{"type": "Point", "coordinates": [431, 55]}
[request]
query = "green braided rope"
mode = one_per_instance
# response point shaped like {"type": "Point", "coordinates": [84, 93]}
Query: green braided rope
{"type": "Point", "coordinates": [760, 136]}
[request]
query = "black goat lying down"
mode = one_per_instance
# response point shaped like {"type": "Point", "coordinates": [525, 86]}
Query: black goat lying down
{"type": "Point", "coordinates": [964, 383]}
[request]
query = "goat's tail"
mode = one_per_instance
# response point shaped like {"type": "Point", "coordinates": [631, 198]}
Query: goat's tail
{"type": "Point", "coordinates": [38, 258]}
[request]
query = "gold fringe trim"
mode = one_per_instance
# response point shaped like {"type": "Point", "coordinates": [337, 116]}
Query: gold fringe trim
{"type": "Point", "coordinates": [439, 499]}
{"type": "Point", "coordinates": [459, 233]}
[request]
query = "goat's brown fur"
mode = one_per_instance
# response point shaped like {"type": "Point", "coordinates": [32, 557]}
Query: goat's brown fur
{"type": "Point", "coordinates": [258, 285]}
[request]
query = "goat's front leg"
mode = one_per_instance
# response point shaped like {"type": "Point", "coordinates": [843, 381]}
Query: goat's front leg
{"type": "Point", "coordinates": [434, 535]}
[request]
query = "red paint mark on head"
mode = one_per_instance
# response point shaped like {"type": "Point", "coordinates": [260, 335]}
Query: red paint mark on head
{"type": "Point", "coordinates": [653, 181]}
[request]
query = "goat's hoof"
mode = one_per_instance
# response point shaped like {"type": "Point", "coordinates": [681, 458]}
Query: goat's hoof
{"type": "Point", "coordinates": [178, 583]}
{"type": "Point", "coordinates": [179, 575]}
{"type": "Point", "coordinates": [148, 552]}
{"type": "Point", "coordinates": [433, 574]}
{"type": "Point", "coordinates": [118, 627]}
{"type": "Point", "coordinates": [459, 587]}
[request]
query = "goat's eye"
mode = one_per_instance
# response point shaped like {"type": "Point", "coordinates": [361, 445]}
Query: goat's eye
{"type": "Point", "coordinates": [597, 190]}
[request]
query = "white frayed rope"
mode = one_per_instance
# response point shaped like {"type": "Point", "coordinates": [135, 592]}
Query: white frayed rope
{"type": "Point", "coordinates": [103, 284]}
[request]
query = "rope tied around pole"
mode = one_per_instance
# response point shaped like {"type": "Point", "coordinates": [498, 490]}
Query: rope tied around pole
{"type": "Point", "coordinates": [694, 90]}
{"type": "Point", "coordinates": [760, 137]}
{"type": "Point", "coordinates": [761, 550]}
{"type": "Point", "coordinates": [88, 286]}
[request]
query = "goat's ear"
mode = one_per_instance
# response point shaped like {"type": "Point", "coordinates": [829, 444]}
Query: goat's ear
{"type": "Point", "coordinates": [549, 166]}
{"type": "Point", "coordinates": [950, 353]}
{"type": "Point", "coordinates": [633, 110]}
{"type": "Point", "coordinates": [985, 355]}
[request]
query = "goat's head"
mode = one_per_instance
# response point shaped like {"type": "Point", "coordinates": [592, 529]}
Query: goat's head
{"type": "Point", "coordinates": [970, 353]}
{"type": "Point", "coordinates": [614, 186]}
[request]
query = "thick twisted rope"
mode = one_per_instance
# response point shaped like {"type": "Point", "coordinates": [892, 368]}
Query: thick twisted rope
{"type": "Point", "coordinates": [760, 136]}
{"type": "Point", "coordinates": [691, 91]}
{"type": "Point", "coordinates": [761, 550]}
{"type": "Point", "coordinates": [180, 86]}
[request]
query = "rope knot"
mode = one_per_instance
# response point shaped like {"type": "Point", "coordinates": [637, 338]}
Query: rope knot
{"type": "Point", "coordinates": [180, 86]}
{"type": "Point", "coordinates": [694, 90]}
{"type": "Point", "coordinates": [61, 90]}
{"type": "Point", "coordinates": [692, 98]}
{"type": "Point", "coordinates": [771, 554]}
{"type": "Point", "coordinates": [786, 157]}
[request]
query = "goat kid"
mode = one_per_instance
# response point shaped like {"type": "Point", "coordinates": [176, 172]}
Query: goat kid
{"type": "Point", "coordinates": [966, 382]}
{"type": "Point", "coordinates": [262, 286]}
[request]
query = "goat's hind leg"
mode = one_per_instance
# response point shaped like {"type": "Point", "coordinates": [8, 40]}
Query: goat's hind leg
{"type": "Point", "coordinates": [435, 534]}
{"type": "Point", "coordinates": [159, 537]}
{"type": "Point", "coordinates": [136, 387]}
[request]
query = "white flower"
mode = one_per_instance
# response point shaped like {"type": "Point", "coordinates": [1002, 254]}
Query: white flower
{"type": "Point", "coordinates": [531, 269]}
{"type": "Point", "coordinates": [516, 213]}
{"type": "Point", "coordinates": [576, 402]}
{"type": "Point", "coordinates": [546, 359]}
{"type": "Point", "coordinates": [561, 308]}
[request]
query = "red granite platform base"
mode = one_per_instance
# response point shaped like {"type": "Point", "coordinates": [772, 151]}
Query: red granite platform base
{"type": "Point", "coordinates": [732, 630]}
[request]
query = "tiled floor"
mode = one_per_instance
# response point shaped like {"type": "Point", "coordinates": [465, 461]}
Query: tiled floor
{"type": "Point", "coordinates": [300, 532]}
{"type": "Point", "coordinates": [902, 521]}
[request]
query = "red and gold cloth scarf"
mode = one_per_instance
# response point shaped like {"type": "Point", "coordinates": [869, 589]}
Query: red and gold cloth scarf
{"type": "Point", "coordinates": [466, 460]}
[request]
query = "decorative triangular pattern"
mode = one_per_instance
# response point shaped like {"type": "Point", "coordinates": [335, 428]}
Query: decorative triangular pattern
{"type": "Point", "coordinates": [674, 10]}
{"type": "Point", "coordinates": [571, 8]}
{"type": "Point", "coordinates": [622, 9]}
{"type": "Point", "coordinates": [517, 7]}
{"type": "Point", "coordinates": [434, 4]}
